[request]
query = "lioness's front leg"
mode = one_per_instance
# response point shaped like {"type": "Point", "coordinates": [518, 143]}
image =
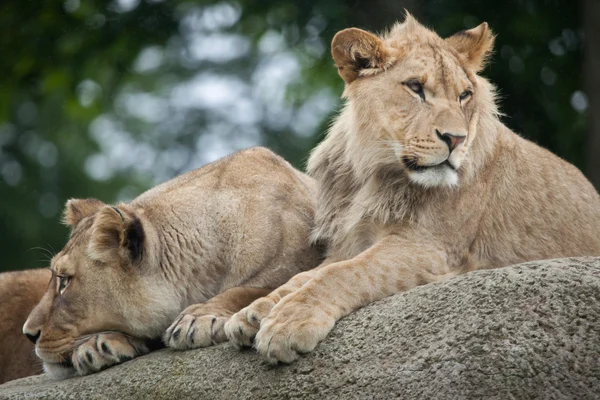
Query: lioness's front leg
{"type": "Point", "coordinates": [301, 320]}
{"type": "Point", "coordinates": [106, 349]}
{"type": "Point", "coordinates": [201, 325]}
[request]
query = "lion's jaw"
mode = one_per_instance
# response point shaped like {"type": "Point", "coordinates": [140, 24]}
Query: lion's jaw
{"type": "Point", "coordinates": [58, 371]}
{"type": "Point", "coordinates": [385, 143]}
{"type": "Point", "coordinates": [439, 175]}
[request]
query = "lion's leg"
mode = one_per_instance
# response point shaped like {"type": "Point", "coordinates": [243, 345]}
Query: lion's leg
{"type": "Point", "coordinates": [201, 325]}
{"type": "Point", "coordinates": [105, 349]}
{"type": "Point", "coordinates": [243, 326]}
{"type": "Point", "coordinates": [302, 319]}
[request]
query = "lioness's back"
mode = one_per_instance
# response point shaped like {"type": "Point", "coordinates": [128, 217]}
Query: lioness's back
{"type": "Point", "coordinates": [251, 185]}
{"type": "Point", "coordinates": [20, 291]}
{"type": "Point", "coordinates": [232, 172]}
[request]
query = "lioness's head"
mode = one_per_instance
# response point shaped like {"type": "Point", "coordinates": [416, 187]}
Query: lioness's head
{"type": "Point", "coordinates": [415, 96]}
{"type": "Point", "coordinates": [104, 279]}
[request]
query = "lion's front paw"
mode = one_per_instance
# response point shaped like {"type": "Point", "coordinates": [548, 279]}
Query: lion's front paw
{"type": "Point", "coordinates": [193, 329]}
{"type": "Point", "coordinates": [292, 328]}
{"type": "Point", "coordinates": [243, 326]}
{"type": "Point", "coordinates": [104, 350]}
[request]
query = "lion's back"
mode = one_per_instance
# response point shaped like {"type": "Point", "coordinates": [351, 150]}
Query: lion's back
{"type": "Point", "coordinates": [256, 169]}
{"type": "Point", "coordinates": [544, 205]}
{"type": "Point", "coordinates": [251, 210]}
{"type": "Point", "coordinates": [20, 291]}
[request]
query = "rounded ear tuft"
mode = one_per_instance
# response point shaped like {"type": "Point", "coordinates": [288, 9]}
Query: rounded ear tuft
{"type": "Point", "coordinates": [78, 209]}
{"type": "Point", "coordinates": [116, 234]}
{"type": "Point", "coordinates": [356, 51]}
{"type": "Point", "coordinates": [474, 46]}
{"type": "Point", "coordinates": [107, 235]}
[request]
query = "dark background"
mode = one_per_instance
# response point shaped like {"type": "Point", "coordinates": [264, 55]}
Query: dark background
{"type": "Point", "coordinates": [105, 99]}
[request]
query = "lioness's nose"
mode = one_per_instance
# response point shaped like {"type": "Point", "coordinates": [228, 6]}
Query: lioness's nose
{"type": "Point", "coordinates": [32, 330]}
{"type": "Point", "coordinates": [33, 336]}
{"type": "Point", "coordinates": [451, 140]}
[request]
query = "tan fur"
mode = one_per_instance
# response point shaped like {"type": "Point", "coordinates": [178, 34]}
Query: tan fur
{"type": "Point", "coordinates": [231, 232]}
{"type": "Point", "coordinates": [20, 291]}
{"type": "Point", "coordinates": [399, 209]}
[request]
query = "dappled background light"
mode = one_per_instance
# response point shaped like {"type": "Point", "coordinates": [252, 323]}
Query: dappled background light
{"type": "Point", "coordinates": [106, 100]}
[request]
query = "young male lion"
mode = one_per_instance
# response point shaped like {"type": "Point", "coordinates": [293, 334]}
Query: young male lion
{"type": "Point", "coordinates": [419, 181]}
{"type": "Point", "coordinates": [230, 232]}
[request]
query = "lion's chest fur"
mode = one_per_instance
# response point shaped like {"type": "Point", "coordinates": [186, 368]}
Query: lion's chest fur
{"type": "Point", "coordinates": [352, 216]}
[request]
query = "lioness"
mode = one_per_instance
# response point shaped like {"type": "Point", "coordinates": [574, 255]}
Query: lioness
{"type": "Point", "coordinates": [419, 181]}
{"type": "Point", "coordinates": [20, 291]}
{"type": "Point", "coordinates": [230, 232]}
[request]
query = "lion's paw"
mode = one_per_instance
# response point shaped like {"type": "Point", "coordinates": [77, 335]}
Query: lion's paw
{"type": "Point", "coordinates": [104, 350]}
{"type": "Point", "coordinates": [292, 328]}
{"type": "Point", "coordinates": [193, 329]}
{"type": "Point", "coordinates": [243, 326]}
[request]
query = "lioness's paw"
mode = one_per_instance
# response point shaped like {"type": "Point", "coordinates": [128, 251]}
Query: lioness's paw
{"type": "Point", "coordinates": [192, 329]}
{"type": "Point", "coordinates": [292, 328]}
{"type": "Point", "coordinates": [104, 350]}
{"type": "Point", "coordinates": [243, 326]}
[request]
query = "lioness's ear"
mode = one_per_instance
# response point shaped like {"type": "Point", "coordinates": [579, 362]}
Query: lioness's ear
{"type": "Point", "coordinates": [116, 235]}
{"type": "Point", "coordinates": [78, 209]}
{"type": "Point", "coordinates": [474, 46]}
{"type": "Point", "coordinates": [357, 52]}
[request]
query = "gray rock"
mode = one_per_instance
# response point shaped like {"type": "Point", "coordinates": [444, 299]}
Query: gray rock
{"type": "Point", "coordinates": [528, 331]}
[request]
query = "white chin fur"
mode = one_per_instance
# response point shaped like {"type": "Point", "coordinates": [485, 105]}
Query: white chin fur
{"type": "Point", "coordinates": [434, 177]}
{"type": "Point", "coordinates": [58, 372]}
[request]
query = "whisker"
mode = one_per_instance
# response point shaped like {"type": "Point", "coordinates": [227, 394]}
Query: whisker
{"type": "Point", "coordinates": [47, 254]}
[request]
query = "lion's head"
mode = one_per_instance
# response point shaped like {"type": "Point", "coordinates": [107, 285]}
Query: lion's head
{"type": "Point", "coordinates": [104, 279]}
{"type": "Point", "coordinates": [414, 99]}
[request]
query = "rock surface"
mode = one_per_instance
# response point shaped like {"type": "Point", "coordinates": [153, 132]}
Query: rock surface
{"type": "Point", "coordinates": [527, 331]}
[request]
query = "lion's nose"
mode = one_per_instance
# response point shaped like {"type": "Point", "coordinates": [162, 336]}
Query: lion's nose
{"type": "Point", "coordinates": [451, 140]}
{"type": "Point", "coordinates": [33, 338]}
{"type": "Point", "coordinates": [31, 334]}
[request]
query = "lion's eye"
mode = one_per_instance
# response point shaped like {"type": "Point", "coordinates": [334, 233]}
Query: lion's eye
{"type": "Point", "coordinates": [416, 87]}
{"type": "Point", "coordinates": [63, 282]}
{"type": "Point", "coordinates": [465, 95]}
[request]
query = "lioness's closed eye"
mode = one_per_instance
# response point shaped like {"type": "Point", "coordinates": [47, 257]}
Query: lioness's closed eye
{"type": "Point", "coordinates": [213, 239]}
{"type": "Point", "coordinates": [418, 181]}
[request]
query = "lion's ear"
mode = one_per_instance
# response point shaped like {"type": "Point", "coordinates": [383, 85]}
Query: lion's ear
{"type": "Point", "coordinates": [116, 235]}
{"type": "Point", "coordinates": [357, 52]}
{"type": "Point", "coordinates": [474, 46]}
{"type": "Point", "coordinates": [78, 209]}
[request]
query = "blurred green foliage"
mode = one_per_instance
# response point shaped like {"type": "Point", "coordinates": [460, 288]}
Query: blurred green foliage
{"type": "Point", "coordinates": [105, 99]}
